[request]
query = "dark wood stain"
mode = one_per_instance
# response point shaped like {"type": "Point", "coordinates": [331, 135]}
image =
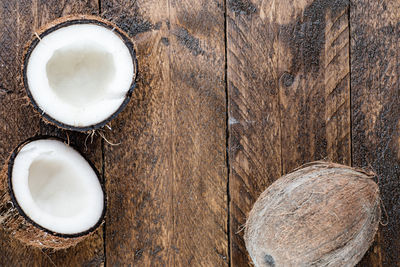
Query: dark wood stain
{"type": "Point", "coordinates": [243, 7]}
{"type": "Point", "coordinates": [376, 113]}
{"type": "Point", "coordinates": [133, 24]}
{"type": "Point", "coordinates": [305, 36]}
{"type": "Point", "coordinates": [189, 41]}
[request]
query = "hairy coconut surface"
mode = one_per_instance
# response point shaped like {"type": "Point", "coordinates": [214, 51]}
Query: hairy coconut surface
{"type": "Point", "coordinates": [47, 197]}
{"type": "Point", "coordinates": [324, 214]}
{"type": "Point", "coordinates": [79, 72]}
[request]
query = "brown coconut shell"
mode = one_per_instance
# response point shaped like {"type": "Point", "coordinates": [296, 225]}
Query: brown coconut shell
{"type": "Point", "coordinates": [68, 21]}
{"type": "Point", "coordinates": [324, 214]}
{"type": "Point", "coordinates": [16, 223]}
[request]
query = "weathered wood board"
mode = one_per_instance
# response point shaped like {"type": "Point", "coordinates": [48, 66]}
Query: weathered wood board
{"type": "Point", "coordinates": [254, 116]}
{"type": "Point", "coordinates": [230, 95]}
{"type": "Point", "coordinates": [289, 95]}
{"type": "Point", "coordinates": [375, 85]}
{"type": "Point", "coordinates": [168, 203]}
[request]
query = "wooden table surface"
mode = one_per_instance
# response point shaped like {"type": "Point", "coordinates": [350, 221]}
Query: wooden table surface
{"type": "Point", "coordinates": [231, 95]}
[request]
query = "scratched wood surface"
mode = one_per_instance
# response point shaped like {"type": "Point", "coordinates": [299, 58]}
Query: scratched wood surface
{"type": "Point", "coordinates": [231, 95]}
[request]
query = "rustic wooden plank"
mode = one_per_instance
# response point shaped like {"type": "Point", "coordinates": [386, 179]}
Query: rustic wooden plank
{"type": "Point", "coordinates": [289, 95]}
{"type": "Point", "coordinates": [167, 179]}
{"type": "Point", "coordinates": [376, 112]}
{"type": "Point", "coordinates": [314, 85]}
{"type": "Point", "coordinates": [254, 119]}
{"type": "Point", "coordinates": [18, 22]}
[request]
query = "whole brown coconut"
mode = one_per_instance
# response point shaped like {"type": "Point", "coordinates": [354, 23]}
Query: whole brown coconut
{"type": "Point", "coordinates": [324, 214]}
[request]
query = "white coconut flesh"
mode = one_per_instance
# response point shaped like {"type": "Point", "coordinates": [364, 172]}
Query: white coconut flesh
{"type": "Point", "coordinates": [79, 74]}
{"type": "Point", "coordinates": [56, 187]}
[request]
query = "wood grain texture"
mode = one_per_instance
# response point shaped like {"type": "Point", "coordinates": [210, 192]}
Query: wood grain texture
{"type": "Point", "coordinates": [289, 95]}
{"type": "Point", "coordinates": [254, 119]}
{"type": "Point", "coordinates": [313, 65]}
{"type": "Point", "coordinates": [167, 179]}
{"type": "Point", "coordinates": [18, 22]}
{"type": "Point", "coordinates": [376, 112]}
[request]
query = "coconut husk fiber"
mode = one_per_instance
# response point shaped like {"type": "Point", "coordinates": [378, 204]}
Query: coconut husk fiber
{"type": "Point", "coordinates": [324, 214]}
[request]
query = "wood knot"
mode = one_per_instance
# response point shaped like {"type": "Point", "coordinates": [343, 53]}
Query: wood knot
{"type": "Point", "coordinates": [287, 79]}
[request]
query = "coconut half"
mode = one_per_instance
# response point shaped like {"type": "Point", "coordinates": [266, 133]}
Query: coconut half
{"type": "Point", "coordinates": [50, 195]}
{"type": "Point", "coordinates": [79, 72]}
